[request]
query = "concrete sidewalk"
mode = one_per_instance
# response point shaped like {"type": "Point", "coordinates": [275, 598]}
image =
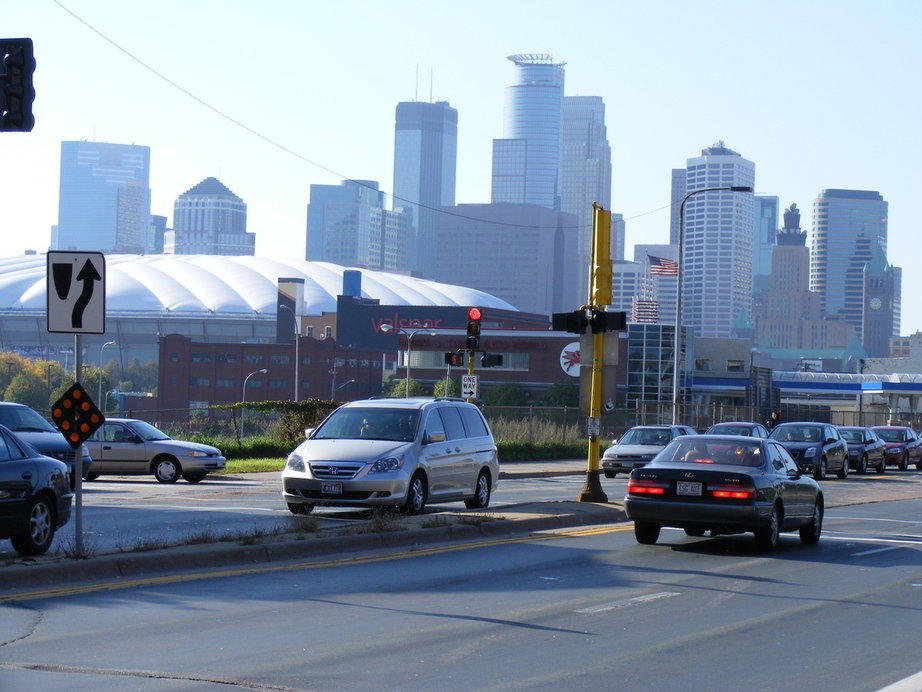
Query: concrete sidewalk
{"type": "Point", "coordinates": [430, 528]}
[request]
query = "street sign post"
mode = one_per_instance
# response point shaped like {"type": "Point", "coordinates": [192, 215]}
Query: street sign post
{"type": "Point", "coordinates": [470, 386]}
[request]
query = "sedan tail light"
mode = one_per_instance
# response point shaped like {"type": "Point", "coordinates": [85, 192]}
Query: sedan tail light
{"type": "Point", "coordinates": [639, 487]}
{"type": "Point", "coordinates": [732, 492]}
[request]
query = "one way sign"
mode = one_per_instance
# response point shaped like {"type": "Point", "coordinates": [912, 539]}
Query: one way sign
{"type": "Point", "coordinates": [76, 292]}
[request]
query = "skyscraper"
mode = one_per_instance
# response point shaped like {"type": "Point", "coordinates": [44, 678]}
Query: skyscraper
{"type": "Point", "coordinates": [585, 175]}
{"type": "Point", "coordinates": [716, 270]}
{"type": "Point", "coordinates": [526, 162]}
{"type": "Point", "coordinates": [425, 165]}
{"type": "Point", "coordinates": [763, 241]}
{"type": "Point", "coordinates": [209, 219]}
{"type": "Point", "coordinates": [104, 199]}
{"type": "Point", "coordinates": [848, 228]}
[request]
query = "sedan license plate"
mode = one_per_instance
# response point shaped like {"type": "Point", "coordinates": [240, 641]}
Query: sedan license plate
{"type": "Point", "coordinates": [688, 488]}
{"type": "Point", "coordinates": [331, 488]}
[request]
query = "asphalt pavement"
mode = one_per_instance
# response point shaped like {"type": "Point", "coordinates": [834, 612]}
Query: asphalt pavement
{"type": "Point", "coordinates": [26, 574]}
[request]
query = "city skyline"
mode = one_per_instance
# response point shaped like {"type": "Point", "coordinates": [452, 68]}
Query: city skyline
{"type": "Point", "coordinates": [772, 83]}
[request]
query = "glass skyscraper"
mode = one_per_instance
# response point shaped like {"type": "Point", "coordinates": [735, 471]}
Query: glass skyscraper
{"type": "Point", "coordinates": [425, 166]}
{"type": "Point", "coordinates": [209, 219]}
{"type": "Point", "coordinates": [526, 162]}
{"type": "Point", "coordinates": [104, 198]}
{"type": "Point", "coordinates": [763, 242]}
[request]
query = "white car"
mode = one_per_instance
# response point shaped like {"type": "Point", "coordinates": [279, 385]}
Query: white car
{"type": "Point", "coordinates": [639, 445]}
{"type": "Point", "coordinates": [130, 447]}
{"type": "Point", "coordinates": [394, 452]}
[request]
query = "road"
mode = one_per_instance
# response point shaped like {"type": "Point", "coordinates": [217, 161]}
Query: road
{"type": "Point", "coordinates": [586, 609]}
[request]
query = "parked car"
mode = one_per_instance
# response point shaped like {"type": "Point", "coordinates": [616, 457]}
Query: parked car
{"type": "Point", "coordinates": [725, 484]}
{"type": "Point", "coordinates": [35, 495]}
{"type": "Point", "coordinates": [29, 425]}
{"type": "Point", "coordinates": [638, 446]}
{"type": "Point", "coordinates": [904, 447]}
{"type": "Point", "coordinates": [394, 452]}
{"type": "Point", "coordinates": [865, 449]}
{"type": "Point", "coordinates": [819, 444]}
{"type": "Point", "coordinates": [738, 428]}
{"type": "Point", "coordinates": [127, 446]}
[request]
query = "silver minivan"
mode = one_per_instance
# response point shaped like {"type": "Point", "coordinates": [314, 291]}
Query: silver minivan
{"type": "Point", "coordinates": [394, 452]}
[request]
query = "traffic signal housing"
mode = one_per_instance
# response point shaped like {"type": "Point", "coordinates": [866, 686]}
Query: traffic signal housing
{"type": "Point", "coordinates": [601, 321]}
{"type": "Point", "coordinates": [454, 359]}
{"type": "Point", "coordinates": [473, 328]}
{"type": "Point", "coordinates": [574, 322]}
{"type": "Point", "coordinates": [491, 360]}
{"type": "Point", "coordinates": [16, 90]}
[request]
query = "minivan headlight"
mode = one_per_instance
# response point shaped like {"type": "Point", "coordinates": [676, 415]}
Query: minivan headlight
{"type": "Point", "coordinates": [387, 465]}
{"type": "Point", "coordinates": [295, 462]}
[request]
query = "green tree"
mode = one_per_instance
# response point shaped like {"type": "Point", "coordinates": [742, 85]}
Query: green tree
{"type": "Point", "coordinates": [29, 389]}
{"type": "Point", "coordinates": [447, 387]}
{"type": "Point", "coordinates": [505, 394]}
{"type": "Point", "coordinates": [397, 388]}
{"type": "Point", "coordinates": [564, 393]}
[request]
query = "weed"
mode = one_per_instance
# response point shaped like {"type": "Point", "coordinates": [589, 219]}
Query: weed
{"type": "Point", "coordinates": [478, 519]}
{"type": "Point", "coordinates": [434, 522]}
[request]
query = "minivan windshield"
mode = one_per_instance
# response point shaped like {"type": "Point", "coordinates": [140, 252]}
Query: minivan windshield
{"type": "Point", "coordinates": [398, 425]}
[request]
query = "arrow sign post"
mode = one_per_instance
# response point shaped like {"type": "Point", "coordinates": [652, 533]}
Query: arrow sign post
{"type": "Point", "coordinates": [76, 292]}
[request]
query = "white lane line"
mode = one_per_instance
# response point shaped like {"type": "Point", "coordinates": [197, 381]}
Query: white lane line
{"type": "Point", "coordinates": [628, 602]}
{"type": "Point", "coordinates": [877, 550]}
{"type": "Point", "coordinates": [911, 684]}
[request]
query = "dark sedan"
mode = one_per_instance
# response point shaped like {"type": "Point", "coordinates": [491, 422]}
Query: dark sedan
{"type": "Point", "coordinates": [904, 447]}
{"type": "Point", "coordinates": [865, 449]}
{"type": "Point", "coordinates": [35, 496]}
{"type": "Point", "coordinates": [725, 484]}
{"type": "Point", "coordinates": [818, 444]}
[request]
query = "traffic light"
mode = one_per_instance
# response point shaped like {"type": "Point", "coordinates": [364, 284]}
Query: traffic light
{"type": "Point", "coordinates": [473, 328]}
{"type": "Point", "coordinates": [574, 322]}
{"type": "Point", "coordinates": [455, 359]}
{"type": "Point", "coordinates": [601, 321]}
{"type": "Point", "coordinates": [16, 90]}
{"type": "Point", "coordinates": [491, 360]}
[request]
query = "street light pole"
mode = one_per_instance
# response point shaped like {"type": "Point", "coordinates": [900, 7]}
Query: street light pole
{"type": "Point", "coordinates": [243, 408]}
{"type": "Point", "coordinates": [677, 344]}
{"type": "Point", "coordinates": [99, 401]}
{"type": "Point", "coordinates": [410, 334]}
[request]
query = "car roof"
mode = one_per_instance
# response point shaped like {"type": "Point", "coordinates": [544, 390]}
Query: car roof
{"type": "Point", "coordinates": [413, 402]}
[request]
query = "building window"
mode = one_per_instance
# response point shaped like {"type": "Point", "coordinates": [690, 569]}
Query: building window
{"type": "Point", "coordinates": [174, 357]}
{"type": "Point", "coordinates": [278, 360]}
{"type": "Point", "coordinates": [704, 364]}
{"type": "Point", "coordinates": [735, 366]}
{"type": "Point", "coordinates": [199, 382]}
{"type": "Point", "coordinates": [310, 330]}
{"type": "Point", "coordinates": [200, 357]}
{"type": "Point", "coordinates": [327, 332]}
{"type": "Point", "coordinates": [253, 358]}
{"type": "Point", "coordinates": [279, 384]}
{"type": "Point", "coordinates": [226, 357]}
{"type": "Point", "coordinates": [225, 382]}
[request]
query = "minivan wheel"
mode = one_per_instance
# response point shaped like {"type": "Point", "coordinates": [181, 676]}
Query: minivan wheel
{"type": "Point", "coordinates": [300, 508]}
{"type": "Point", "coordinates": [416, 494]}
{"type": "Point", "coordinates": [167, 470]}
{"type": "Point", "coordinates": [481, 497]}
{"type": "Point", "coordinates": [38, 530]}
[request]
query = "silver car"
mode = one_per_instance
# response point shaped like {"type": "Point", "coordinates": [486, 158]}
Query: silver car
{"type": "Point", "coordinates": [130, 447]}
{"type": "Point", "coordinates": [394, 452]}
{"type": "Point", "coordinates": [638, 446]}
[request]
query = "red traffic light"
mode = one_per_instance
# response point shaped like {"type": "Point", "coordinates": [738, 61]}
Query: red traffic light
{"type": "Point", "coordinates": [474, 314]}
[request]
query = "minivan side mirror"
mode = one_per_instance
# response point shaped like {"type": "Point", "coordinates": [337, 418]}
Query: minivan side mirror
{"type": "Point", "coordinates": [438, 436]}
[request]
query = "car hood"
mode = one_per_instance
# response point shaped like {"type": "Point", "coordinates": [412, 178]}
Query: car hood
{"type": "Point", "coordinates": [44, 441]}
{"type": "Point", "coordinates": [349, 450]}
{"type": "Point", "coordinates": [633, 450]}
{"type": "Point", "coordinates": [178, 447]}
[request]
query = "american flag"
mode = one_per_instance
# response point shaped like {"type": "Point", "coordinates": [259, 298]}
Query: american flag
{"type": "Point", "coordinates": [660, 266]}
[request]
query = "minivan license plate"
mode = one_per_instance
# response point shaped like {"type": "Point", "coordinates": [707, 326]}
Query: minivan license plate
{"type": "Point", "coordinates": [337, 488]}
{"type": "Point", "coordinates": [688, 488]}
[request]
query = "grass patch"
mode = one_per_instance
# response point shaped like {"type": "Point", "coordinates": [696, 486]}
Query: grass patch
{"type": "Point", "coordinates": [253, 465]}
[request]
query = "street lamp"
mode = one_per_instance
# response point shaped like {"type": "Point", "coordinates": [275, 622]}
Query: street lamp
{"type": "Point", "coordinates": [336, 389]}
{"type": "Point", "coordinates": [243, 408]}
{"type": "Point", "coordinates": [397, 330]}
{"type": "Point", "coordinates": [297, 339]}
{"type": "Point", "coordinates": [99, 400]}
{"type": "Point", "coordinates": [676, 360]}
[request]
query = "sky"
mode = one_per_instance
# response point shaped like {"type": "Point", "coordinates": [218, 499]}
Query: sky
{"type": "Point", "coordinates": [274, 96]}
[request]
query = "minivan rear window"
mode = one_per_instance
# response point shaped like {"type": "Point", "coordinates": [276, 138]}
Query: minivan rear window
{"type": "Point", "coordinates": [454, 428]}
{"type": "Point", "coordinates": [473, 421]}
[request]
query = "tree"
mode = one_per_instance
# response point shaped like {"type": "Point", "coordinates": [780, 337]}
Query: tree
{"type": "Point", "coordinates": [29, 389]}
{"type": "Point", "coordinates": [446, 387]}
{"type": "Point", "coordinates": [564, 393]}
{"type": "Point", "coordinates": [505, 394]}
{"type": "Point", "coordinates": [397, 388]}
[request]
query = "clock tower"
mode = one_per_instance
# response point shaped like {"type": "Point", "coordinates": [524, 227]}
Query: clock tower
{"type": "Point", "coordinates": [880, 320]}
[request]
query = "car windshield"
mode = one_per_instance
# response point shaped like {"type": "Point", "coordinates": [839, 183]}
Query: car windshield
{"type": "Point", "coordinates": [892, 435]}
{"type": "Point", "coordinates": [23, 419]}
{"type": "Point", "coordinates": [851, 435]}
{"type": "Point", "coordinates": [798, 433]}
{"type": "Point", "coordinates": [694, 449]}
{"type": "Point", "coordinates": [645, 436]}
{"type": "Point", "coordinates": [730, 430]}
{"type": "Point", "coordinates": [398, 425]}
{"type": "Point", "coordinates": [147, 432]}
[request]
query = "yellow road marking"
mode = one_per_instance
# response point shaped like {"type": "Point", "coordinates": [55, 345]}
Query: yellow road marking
{"type": "Point", "coordinates": [340, 562]}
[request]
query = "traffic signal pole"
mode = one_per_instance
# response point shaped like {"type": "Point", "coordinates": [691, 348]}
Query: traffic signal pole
{"type": "Point", "coordinates": [599, 297]}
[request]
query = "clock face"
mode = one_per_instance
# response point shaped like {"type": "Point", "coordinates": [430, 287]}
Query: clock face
{"type": "Point", "coordinates": [875, 303]}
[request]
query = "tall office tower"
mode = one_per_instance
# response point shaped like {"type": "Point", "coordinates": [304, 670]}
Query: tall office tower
{"type": "Point", "coordinates": [209, 219]}
{"type": "Point", "coordinates": [526, 162]}
{"type": "Point", "coordinates": [765, 225]}
{"type": "Point", "coordinates": [630, 282]}
{"type": "Point", "coordinates": [104, 198]}
{"type": "Point", "coordinates": [678, 193]}
{"type": "Point", "coordinates": [347, 224]}
{"type": "Point", "coordinates": [716, 267]}
{"type": "Point", "coordinates": [425, 166]}
{"type": "Point", "coordinates": [585, 175]}
{"type": "Point", "coordinates": [848, 227]}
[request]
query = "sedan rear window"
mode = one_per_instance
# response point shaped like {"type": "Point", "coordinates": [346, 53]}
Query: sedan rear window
{"type": "Point", "coordinates": [693, 449]}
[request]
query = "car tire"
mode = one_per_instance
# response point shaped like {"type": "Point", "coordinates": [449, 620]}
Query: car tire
{"type": "Point", "coordinates": [166, 469]}
{"type": "Point", "coordinates": [300, 508]}
{"type": "Point", "coordinates": [862, 465]}
{"type": "Point", "coordinates": [919, 465]}
{"type": "Point", "coordinates": [417, 494]}
{"type": "Point", "coordinates": [481, 497]}
{"type": "Point", "coordinates": [696, 533]}
{"type": "Point", "coordinates": [882, 466]}
{"type": "Point", "coordinates": [842, 473]}
{"type": "Point", "coordinates": [91, 477]}
{"type": "Point", "coordinates": [646, 532]}
{"type": "Point", "coordinates": [193, 477]}
{"type": "Point", "coordinates": [904, 462]}
{"type": "Point", "coordinates": [810, 534]}
{"type": "Point", "coordinates": [767, 537]}
{"type": "Point", "coordinates": [820, 474]}
{"type": "Point", "coordinates": [610, 474]}
{"type": "Point", "coordinates": [38, 530]}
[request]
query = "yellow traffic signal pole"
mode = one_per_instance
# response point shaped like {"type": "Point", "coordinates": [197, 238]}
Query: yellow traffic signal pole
{"type": "Point", "coordinates": [599, 298]}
